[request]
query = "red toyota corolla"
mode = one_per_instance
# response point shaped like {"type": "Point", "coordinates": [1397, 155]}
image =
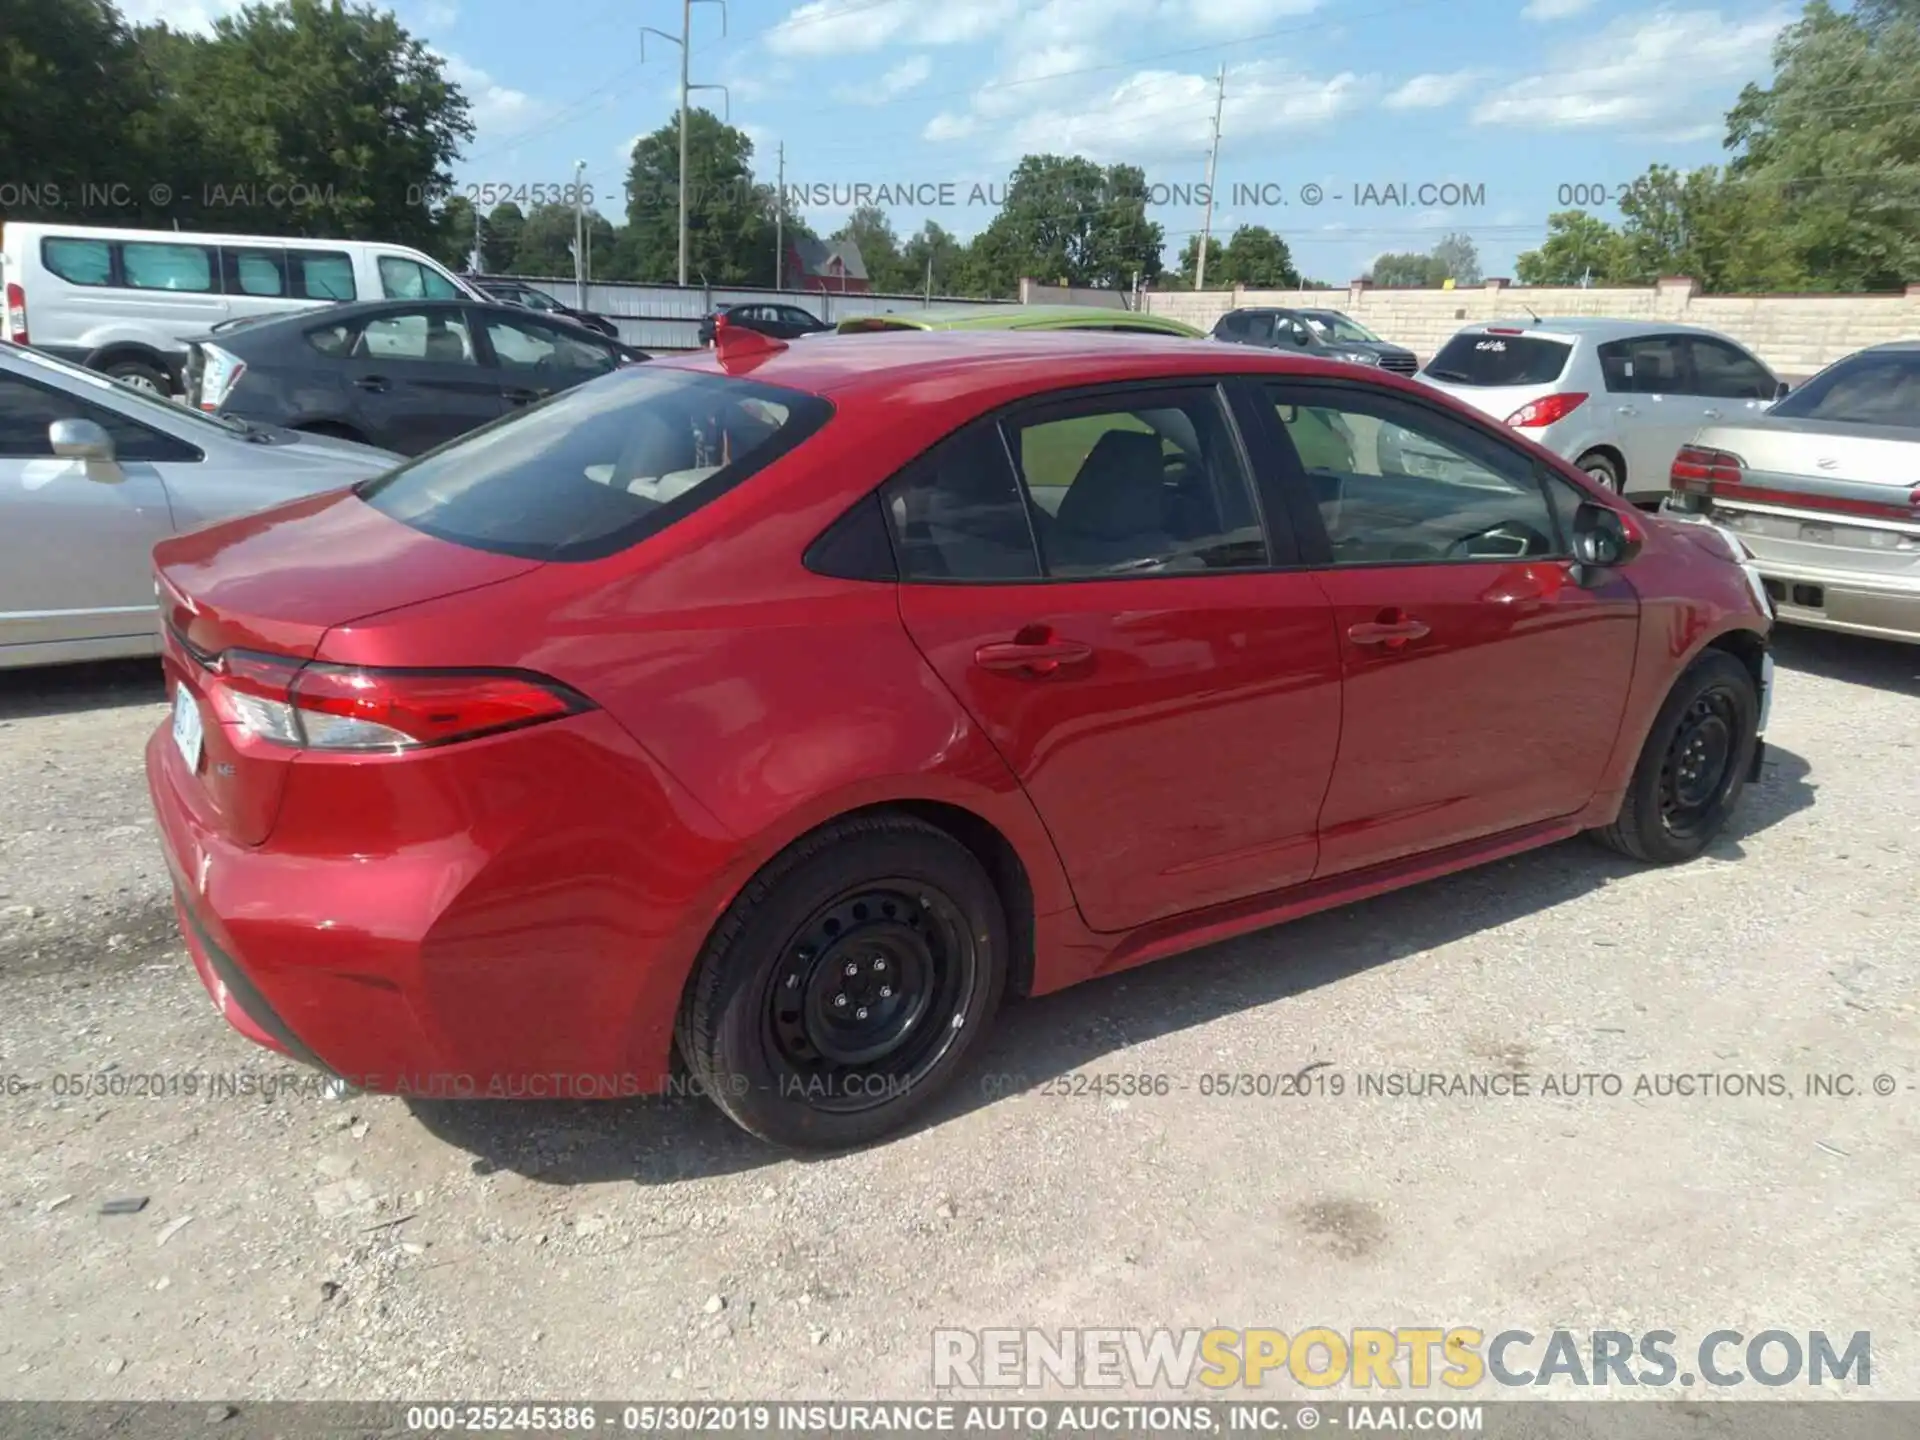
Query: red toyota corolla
{"type": "Point", "coordinates": [789, 706]}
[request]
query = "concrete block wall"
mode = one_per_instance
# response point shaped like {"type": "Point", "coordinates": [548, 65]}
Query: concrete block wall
{"type": "Point", "coordinates": [1795, 334]}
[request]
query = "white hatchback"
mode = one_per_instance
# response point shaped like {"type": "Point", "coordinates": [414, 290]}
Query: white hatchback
{"type": "Point", "coordinates": [1617, 397]}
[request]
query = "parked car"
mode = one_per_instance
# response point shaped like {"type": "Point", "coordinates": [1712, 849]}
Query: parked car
{"type": "Point", "coordinates": [1323, 334]}
{"type": "Point", "coordinates": [406, 375]}
{"type": "Point", "coordinates": [93, 473]}
{"type": "Point", "coordinates": [790, 704]}
{"type": "Point", "coordinates": [782, 322]}
{"type": "Point", "coordinates": [1021, 317]}
{"type": "Point", "coordinates": [117, 301]}
{"type": "Point", "coordinates": [1617, 397]}
{"type": "Point", "coordinates": [1824, 490]}
{"type": "Point", "coordinates": [518, 292]}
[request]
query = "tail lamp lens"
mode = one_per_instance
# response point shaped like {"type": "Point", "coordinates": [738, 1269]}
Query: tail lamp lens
{"type": "Point", "coordinates": [220, 371]}
{"type": "Point", "coordinates": [1538, 414]}
{"type": "Point", "coordinates": [16, 314]}
{"type": "Point", "coordinates": [1696, 470]}
{"type": "Point", "coordinates": [353, 708]}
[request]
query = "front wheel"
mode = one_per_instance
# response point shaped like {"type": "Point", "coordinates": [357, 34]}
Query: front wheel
{"type": "Point", "coordinates": [846, 985]}
{"type": "Point", "coordinates": [1694, 764]}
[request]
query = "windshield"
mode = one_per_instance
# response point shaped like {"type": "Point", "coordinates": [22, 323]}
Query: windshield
{"type": "Point", "coordinates": [1331, 324]}
{"type": "Point", "coordinates": [1869, 389]}
{"type": "Point", "coordinates": [1476, 357]}
{"type": "Point", "coordinates": [125, 397]}
{"type": "Point", "coordinates": [600, 467]}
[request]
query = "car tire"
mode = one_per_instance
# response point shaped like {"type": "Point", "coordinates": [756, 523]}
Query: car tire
{"type": "Point", "coordinates": [778, 1034]}
{"type": "Point", "coordinates": [142, 375]}
{"type": "Point", "coordinates": [1693, 767]}
{"type": "Point", "coordinates": [1603, 468]}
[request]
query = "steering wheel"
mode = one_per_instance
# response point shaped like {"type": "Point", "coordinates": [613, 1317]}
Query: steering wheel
{"type": "Point", "coordinates": [1510, 539]}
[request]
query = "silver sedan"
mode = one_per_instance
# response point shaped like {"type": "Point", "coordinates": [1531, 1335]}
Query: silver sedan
{"type": "Point", "coordinates": [93, 473]}
{"type": "Point", "coordinates": [1824, 489]}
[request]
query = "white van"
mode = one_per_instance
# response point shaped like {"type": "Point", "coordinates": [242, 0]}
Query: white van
{"type": "Point", "coordinates": [119, 301]}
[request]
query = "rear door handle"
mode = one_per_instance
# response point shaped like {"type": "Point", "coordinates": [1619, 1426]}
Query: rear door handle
{"type": "Point", "coordinates": [1711, 414]}
{"type": "Point", "coordinates": [1627, 410]}
{"type": "Point", "coordinates": [376, 383]}
{"type": "Point", "coordinates": [1037, 657]}
{"type": "Point", "coordinates": [524, 397]}
{"type": "Point", "coordinates": [1391, 633]}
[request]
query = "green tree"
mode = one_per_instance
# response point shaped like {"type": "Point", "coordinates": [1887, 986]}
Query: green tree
{"type": "Point", "coordinates": [501, 238]}
{"type": "Point", "coordinates": [1455, 258]}
{"type": "Point", "coordinates": [887, 271]}
{"type": "Point", "coordinates": [730, 238]}
{"type": "Point", "coordinates": [1188, 269]}
{"type": "Point", "coordinates": [937, 252]}
{"type": "Point", "coordinates": [327, 118]}
{"type": "Point", "coordinates": [1406, 268]}
{"type": "Point", "coordinates": [1577, 245]}
{"type": "Point", "coordinates": [1829, 153]}
{"type": "Point", "coordinates": [545, 246]}
{"type": "Point", "coordinates": [1259, 259]}
{"type": "Point", "coordinates": [455, 244]}
{"type": "Point", "coordinates": [1067, 220]}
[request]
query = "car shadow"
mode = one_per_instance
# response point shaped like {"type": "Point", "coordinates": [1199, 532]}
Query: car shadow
{"type": "Point", "coordinates": [69, 689]}
{"type": "Point", "coordinates": [1854, 659]}
{"type": "Point", "coordinates": [658, 1141]}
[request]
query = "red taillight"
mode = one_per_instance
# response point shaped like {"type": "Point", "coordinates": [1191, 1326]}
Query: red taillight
{"type": "Point", "coordinates": [1537, 414]}
{"type": "Point", "coordinates": [16, 314]}
{"type": "Point", "coordinates": [1697, 469]}
{"type": "Point", "coordinates": [345, 707]}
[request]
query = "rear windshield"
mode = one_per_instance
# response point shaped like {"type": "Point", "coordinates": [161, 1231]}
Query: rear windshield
{"type": "Point", "coordinates": [1861, 390]}
{"type": "Point", "coordinates": [599, 467]}
{"type": "Point", "coordinates": [1477, 358]}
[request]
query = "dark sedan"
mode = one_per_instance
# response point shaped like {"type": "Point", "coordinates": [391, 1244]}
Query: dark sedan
{"type": "Point", "coordinates": [518, 292]}
{"type": "Point", "coordinates": [406, 375]}
{"type": "Point", "coordinates": [1327, 334]}
{"type": "Point", "coordinates": [782, 322]}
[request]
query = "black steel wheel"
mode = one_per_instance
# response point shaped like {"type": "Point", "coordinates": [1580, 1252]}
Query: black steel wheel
{"type": "Point", "coordinates": [847, 983]}
{"type": "Point", "coordinates": [1693, 765]}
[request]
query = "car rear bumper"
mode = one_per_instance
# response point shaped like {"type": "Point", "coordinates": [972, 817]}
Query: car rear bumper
{"type": "Point", "coordinates": [1844, 600]}
{"type": "Point", "coordinates": [492, 950]}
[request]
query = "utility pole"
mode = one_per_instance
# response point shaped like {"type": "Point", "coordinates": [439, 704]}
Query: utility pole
{"type": "Point", "coordinates": [477, 261]}
{"type": "Point", "coordinates": [579, 234]}
{"type": "Point", "coordinates": [929, 275]}
{"type": "Point", "coordinates": [780, 223]}
{"type": "Point", "coordinates": [1213, 157]}
{"type": "Point", "coordinates": [685, 41]}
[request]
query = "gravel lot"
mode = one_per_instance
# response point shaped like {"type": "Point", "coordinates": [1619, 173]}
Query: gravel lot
{"type": "Point", "coordinates": [305, 1247]}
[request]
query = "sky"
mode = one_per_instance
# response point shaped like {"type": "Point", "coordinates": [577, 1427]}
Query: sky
{"type": "Point", "coordinates": [1350, 127]}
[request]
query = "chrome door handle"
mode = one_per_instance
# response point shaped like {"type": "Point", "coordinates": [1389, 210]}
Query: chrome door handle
{"type": "Point", "coordinates": [1626, 410]}
{"type": "Point", "coordinates": [1711, 414]}
{"type": "Point", "coordinates": [1391, 633]}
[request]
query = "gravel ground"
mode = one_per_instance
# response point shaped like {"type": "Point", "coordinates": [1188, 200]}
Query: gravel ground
{"type": "Point", "coordinates": [297, 1246]}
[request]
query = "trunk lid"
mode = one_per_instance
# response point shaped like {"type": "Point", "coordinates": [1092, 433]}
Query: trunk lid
{"type": "Point", "coordinates": [276, 583]}
{"type": "Point", "coordinates": [1818, 450]}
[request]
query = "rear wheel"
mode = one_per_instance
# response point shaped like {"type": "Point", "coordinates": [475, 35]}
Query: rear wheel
{"type": "Point", "coordinates": [846, 985]}
{"type": "Point", "coordinates": [1694, 764]}
{"type": "Point", "coordinates": [1602, 467]}
{"type": "Point", "coordinates": [141, 375]}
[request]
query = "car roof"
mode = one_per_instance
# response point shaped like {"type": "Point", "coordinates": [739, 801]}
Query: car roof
{"type": "Point", "coordinates": [895, 367]}
{"type": "Point", "coordinates": [1588, 327]}
{"type": "Point", "coordinates": [1023, 317]}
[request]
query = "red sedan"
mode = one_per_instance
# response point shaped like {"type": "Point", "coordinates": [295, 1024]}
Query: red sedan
{"type": "Point", "coordinates": [785, 708]}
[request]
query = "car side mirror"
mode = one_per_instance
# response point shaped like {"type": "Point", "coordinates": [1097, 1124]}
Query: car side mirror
{"type": "Point", "coordinates": [1781, 390]}
{"type": "Point", "coordinates": [1602, 539]}
{"type": "Point", "coordinates": [80, 440]}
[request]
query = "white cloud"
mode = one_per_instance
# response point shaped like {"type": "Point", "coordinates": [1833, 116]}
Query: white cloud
{"type": "Point", "coordinates": [839, 27]}
{"type": "Point", "coordinates": [439, 14]}
{"type": "Point", "coordinates": [1652, 74]}
{"type": "Point", "coordinates": [194, 17]}
{"type": "Point", "coordinates": [495, 106]}
{"type": "Point", "coordinates": [1241, 17]}
{"type": "Point", "coordinates": [948, 126]}
{"type": "Point", "coordinates": [908, 74]}
{"type": "Point", "coordinates": [1429, 92]}
{"type": "Point", "coordinates": [1553, 9]}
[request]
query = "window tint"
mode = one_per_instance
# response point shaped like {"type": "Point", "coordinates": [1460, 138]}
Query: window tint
{"type": "Point", "coordinates": [1257, 329]}
{"type": "Point", "coordinates": [1725, 372]}
{"type": "Point", "coordinates": [1231, 326]}
{"type": "Point", "coordinates": [1880, 388]}
{"type": "Point", "coordinates": [322, 275]}
{"type": "Point", "coordinates": [255, 272]}
{"type": "Point", "coordinates": [1291, 332]}
{"type": "Point", "coordinates": [26, 410]}
{"type": "Point", "coordinates": [529, 345]}
{"type": "Point", "coordinates": [148, 266]}
{"type": "Point", "coordinates": [1645, 365]}
{"type": "Point", "coordinates": [1141, 484]}
{"type": "Point", "coordinates": [439, 336]}
{"type": "Point", "coordinates": [334, 340]}
{"type": "Point", "coordinates": [957, 513]}
{"type": "Point", "coordinates": [404, 279]}
{"type": "Point", "coordinates": [1477, 358]}
{"type": "Point", "coordinates": [600, 466]}
{"type": "Point", "coordinates": [79, 262]}
{"type": "Point", "coordinates": [798, 317]}
{"type": "Point", "coordinates": [1395, 482]}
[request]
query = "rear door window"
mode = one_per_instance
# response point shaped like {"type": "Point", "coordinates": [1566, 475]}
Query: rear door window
{"type": "Point", "coordinates": [255, 272]}
{"type": "Point", "coordinates": [78, 262]}
{"type": "Point", "coordinates": [149, 266]}
{"type": "Point", "coordinates": [322, 274]}
{"type": "Point", "coordinates": [957, 512]}
{"type": "Point", "coordinates": [599, 467]}
{"type": "Point", "coordinates": [533, 345]}
{"type": "Point", "coordinates": [1477, 357]}
{"type": "Point", "coordinates": [1726, 372]}
{"type": "Point", "coordinates": [437, 336]}
{"type": "Point", "coordinates": [1646, 365]}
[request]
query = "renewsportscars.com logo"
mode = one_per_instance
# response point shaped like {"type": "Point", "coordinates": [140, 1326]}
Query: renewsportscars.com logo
{"type": "Point", "coordinates": [1458, 1358]}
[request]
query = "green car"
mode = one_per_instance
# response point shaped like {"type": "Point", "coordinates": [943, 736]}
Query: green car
{"type": "Point", "coordinates": [1021, 317]}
